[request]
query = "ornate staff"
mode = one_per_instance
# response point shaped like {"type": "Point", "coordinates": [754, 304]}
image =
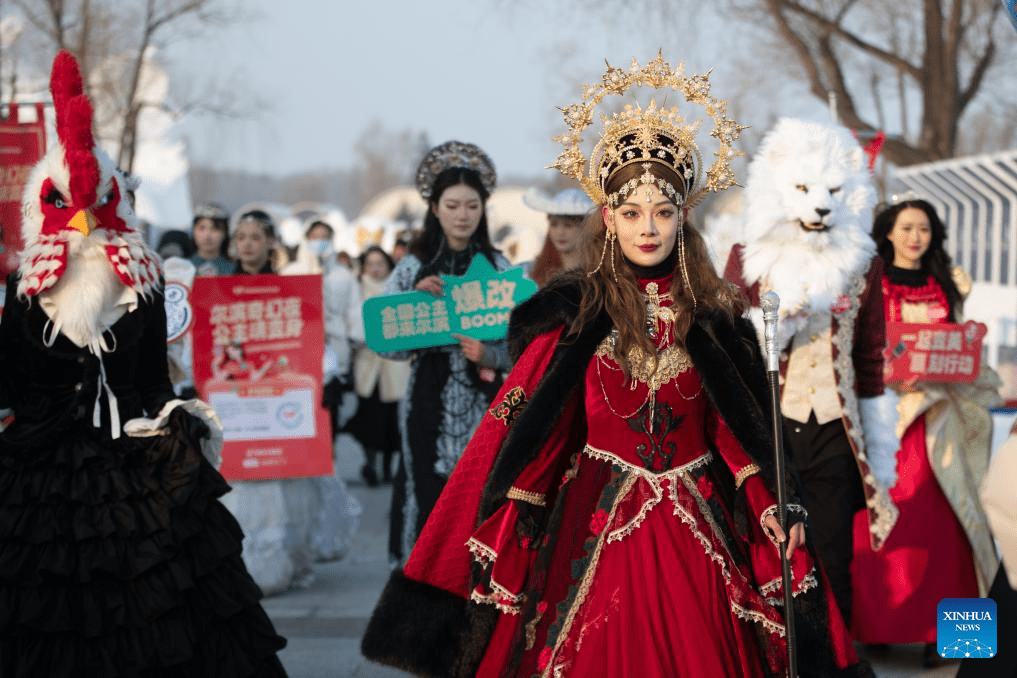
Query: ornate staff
{"type": "Point", "coordinates": [770, 302]}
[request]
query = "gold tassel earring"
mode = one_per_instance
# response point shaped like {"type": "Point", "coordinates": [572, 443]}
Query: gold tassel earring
{"type": "Point", "coordinates": [614, 271]}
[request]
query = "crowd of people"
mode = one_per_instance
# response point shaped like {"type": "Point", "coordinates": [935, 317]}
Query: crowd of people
{"type": "Point", "coordinates": [292, 523]}
{"type": "Point", "coordinates": [612, 510]}
{"type": "Point", "coordinates": [595, 494]}
{"type": "Point", "coordinates": [419, 410]}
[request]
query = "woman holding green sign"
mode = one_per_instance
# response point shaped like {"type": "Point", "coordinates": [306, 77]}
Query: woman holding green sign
{"type": "Point", "coordinates": [614, 513]}
{"type": "Point", "coordinates": [450, 387]}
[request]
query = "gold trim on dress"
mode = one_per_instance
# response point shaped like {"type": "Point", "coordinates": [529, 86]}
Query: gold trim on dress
{"type": "Point", "coordinates": [500, 596]}
{"type": "Point", "coordinates": [611, 457]}
{"type": "Point", "coordinates": [759, 618]}
{"type": "Point", "coordinates": [723, 560]}
{"type": "Point", "coordinates": [529, 497]}
{"type": "Point", "coordinates": [492, 599]}
{"type": "Point", "coordinates": [530, 630]}
{"type": "Point", "coordinates": [745, 473]}
{"type": "Point", "coordinates": [654, 480]}
{"type": "Point", "coordinates": [587, 581]}
{"type": "Point", "coordinates": [881, 512]}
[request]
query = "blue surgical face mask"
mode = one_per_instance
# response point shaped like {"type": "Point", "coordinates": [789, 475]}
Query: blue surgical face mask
{"type": "Point", "coordinates": [320, 248]}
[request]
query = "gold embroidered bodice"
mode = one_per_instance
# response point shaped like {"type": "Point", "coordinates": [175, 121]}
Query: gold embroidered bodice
{"type": "Point", "coordinates": [655, 420]}
{"type": "Point", "coordinates": [621, 419]}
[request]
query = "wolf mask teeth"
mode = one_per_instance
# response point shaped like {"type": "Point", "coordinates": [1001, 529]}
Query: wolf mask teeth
{"type": "Point", "coordinates": [815, 227]}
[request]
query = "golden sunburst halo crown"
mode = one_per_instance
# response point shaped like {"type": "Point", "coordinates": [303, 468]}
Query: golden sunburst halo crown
{"type": "Point", "coordinates": [649, 134]}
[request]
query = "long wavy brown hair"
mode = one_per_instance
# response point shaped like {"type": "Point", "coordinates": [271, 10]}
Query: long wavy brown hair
{"type": "Point", "coordinates": [622, 299]}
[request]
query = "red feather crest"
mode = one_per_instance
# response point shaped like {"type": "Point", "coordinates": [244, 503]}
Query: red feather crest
{"type": "Point", "coordinates": [74, 128]}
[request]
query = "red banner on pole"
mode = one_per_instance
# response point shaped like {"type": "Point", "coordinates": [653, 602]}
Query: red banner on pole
{"type": "Point", "coordinates": [258, 345]}
{"type": "Point", "coordinates": [940, 352]}
{"type": "Point", "coordinates": [21, 146]}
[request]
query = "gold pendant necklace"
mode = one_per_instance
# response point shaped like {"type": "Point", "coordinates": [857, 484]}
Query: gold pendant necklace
{"type": "Point", "coordinates": [653, 371]}
{"type": "Point", "coordinates": [655, 312]}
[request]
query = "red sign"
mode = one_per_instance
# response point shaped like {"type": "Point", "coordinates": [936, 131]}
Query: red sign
{"type": "Point", "coordinates": [940, 352]}
{"type": "Point", "coordinates": [21, 146]}
{"type": "Point", "coordinates": [258, 344]}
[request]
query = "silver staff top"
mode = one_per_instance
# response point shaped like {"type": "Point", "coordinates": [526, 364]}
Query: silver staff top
{"type": "Point", "coordinates": [770, 303]}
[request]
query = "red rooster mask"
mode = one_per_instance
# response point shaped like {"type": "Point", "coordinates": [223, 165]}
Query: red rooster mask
{"type": "Point", "coordinates": [76, 197]}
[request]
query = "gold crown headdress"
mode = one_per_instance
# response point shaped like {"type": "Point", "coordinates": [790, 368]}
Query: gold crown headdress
{"type": "Point", "coordinates": [454, 154]}
{"type": "Point", "coordinates": [648, 135]}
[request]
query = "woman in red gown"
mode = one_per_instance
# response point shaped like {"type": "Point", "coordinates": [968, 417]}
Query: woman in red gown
{"type": "Point", "coordinates": [940, 546]}
{"type": "Point", "coordinates": [613, 514]}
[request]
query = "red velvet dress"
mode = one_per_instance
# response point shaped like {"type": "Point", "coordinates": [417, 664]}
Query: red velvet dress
{"type": "Point", "coordinates": [649, 577]}
{"type": "Point", "coordinates": [927, 556]}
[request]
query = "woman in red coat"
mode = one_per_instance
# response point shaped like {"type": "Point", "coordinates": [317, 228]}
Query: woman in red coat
{"type": "Point", "coordinates": [613, 513]}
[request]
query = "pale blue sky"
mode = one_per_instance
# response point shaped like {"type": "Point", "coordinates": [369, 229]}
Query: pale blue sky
{"type": "Point", "coordinates": [489, 71]}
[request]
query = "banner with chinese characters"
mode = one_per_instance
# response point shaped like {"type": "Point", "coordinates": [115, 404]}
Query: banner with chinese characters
{"type": "Point", "coordinates": [477, 304]}
{"type": "Point", "coordinates": [22, 143]}
{"type": "Point", "coordinates": [258, 343]}
{"type": "Point", "coordinates": [940, 352]}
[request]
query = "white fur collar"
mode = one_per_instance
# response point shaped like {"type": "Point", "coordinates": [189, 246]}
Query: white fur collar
{"type": "Point", "coordinates": [86, 301]}
{"type": "Point", "coordinates": [805, 277]}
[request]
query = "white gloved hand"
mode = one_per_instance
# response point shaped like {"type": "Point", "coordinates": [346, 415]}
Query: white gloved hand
{"type": "Point", "coordinates": [879, 431]}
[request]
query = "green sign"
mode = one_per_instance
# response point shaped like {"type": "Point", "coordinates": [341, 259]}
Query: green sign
{"type": "Point", "coordinates": [477, 305]}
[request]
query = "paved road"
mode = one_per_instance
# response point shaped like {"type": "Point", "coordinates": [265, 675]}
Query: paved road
{"type": "Point", "coordinates": [324, 622]}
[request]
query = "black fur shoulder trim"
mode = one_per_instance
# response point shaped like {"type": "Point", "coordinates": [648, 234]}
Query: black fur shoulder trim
{"type": "Point", "coordinates": [416, 627]}
{"type": "Point", "coordinates": [553, 305]}
{"type": "Point", "coordinates": [556, 390]}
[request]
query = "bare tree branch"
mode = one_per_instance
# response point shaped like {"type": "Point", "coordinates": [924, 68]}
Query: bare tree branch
{"type": "Point", "coordinates": [801, 48]}
{"type": "Point", "coordinates": [846, 110]}
{"type": "Point", "coordinates": [113, 41]}
{"type": "Point", "coordinates": [874, 92]}
{"type": "Point", "coordinates": [978, 75]}
{"type": "Point", "coordinates": [834, 27]}
{"type": "Point", "coordinates": [50, 25]}
{"type": "Point", "coordinates": [128, 133]}
{"type": "Point", "coordinates": [843, 11]}
{"type": "Point", "coordinates": [155, 23]}
{"type": "Point", "coordinates": [955, 30]}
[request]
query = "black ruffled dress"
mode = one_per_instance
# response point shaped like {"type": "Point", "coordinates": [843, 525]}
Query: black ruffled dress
{"type": "Point", "coordinates": [116, 557]}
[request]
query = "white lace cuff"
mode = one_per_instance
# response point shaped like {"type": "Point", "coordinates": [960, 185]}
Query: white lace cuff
{"type": "Point", "coordinates": [211, 446]}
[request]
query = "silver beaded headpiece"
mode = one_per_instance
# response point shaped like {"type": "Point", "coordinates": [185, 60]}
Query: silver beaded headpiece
{"type": "Point", "coordinates": [454, 154]}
